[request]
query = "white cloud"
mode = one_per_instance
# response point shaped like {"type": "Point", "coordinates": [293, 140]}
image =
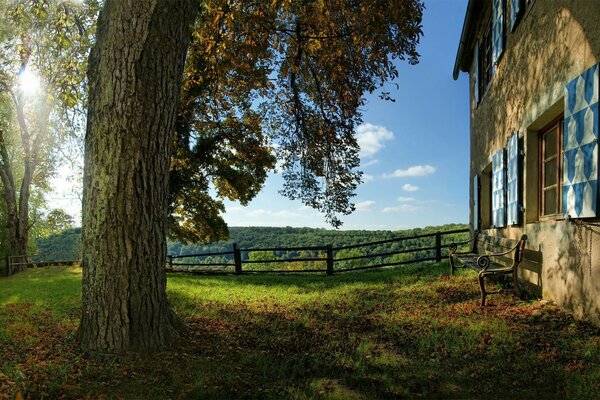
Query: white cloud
{"type": "Point", "coordinates": [370, 138]}
{"type": "Point", "coordinates": [261, 212]}
{"type": "Point", "coordinates": [364, 205]}
{"type": "Point", "coordinates": [415, 170]}
{"type": "Point", "coordinates": [407, 187]}
{"type": "Point", "coordinates": [402, 199]}
{"type": "Point", "coordinates": [366, 178]}
{"type": "Point", "coordinates": [401, 208]}
{"type": "Point", "coordinates": [285, 214]}
{"type": "Point", "coordinates": [369, 163]}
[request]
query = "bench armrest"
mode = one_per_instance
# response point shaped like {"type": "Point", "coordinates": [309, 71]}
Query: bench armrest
{"type": "Point", "coordinates": [484, 260]}
{"type": "Point", "coordinates": [452, 247]}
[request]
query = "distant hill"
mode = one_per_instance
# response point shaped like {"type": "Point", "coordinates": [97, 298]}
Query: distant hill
{"type": "Point", "coordinates": [66, 245]}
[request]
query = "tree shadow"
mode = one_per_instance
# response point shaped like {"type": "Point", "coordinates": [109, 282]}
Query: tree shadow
{"type": "Point", "coordinates": [405, 273]}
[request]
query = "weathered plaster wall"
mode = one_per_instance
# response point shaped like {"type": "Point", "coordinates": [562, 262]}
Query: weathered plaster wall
{"type": "Point", "coordinates": [553, 42]}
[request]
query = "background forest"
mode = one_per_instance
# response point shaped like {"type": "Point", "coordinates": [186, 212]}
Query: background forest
{"type": "Point", "coordinates": [65, 245]}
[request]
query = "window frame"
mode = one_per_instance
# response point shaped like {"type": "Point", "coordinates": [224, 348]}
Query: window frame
{"type": "Point", "coordinates": [485, 68]}
{"type": "Point", "coordinates": [556, 123]}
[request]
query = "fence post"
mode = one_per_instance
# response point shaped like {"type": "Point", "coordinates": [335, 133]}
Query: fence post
{"type": "Point", "coordinates": [329, 260]}
{"type": "Point", "coordinates": [8, 266]}
{"type": "Point", "coordinates": [237, 258]}
{"type": "Point", "coordinates": [438, 246]}
{"type": "Point", "coordinates": [170, 258]}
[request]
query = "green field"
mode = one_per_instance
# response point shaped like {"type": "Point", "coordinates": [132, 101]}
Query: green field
{"type": "Point", "coordinates": [410, 332]}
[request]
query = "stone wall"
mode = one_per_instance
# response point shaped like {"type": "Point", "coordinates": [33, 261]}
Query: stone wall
{"type": "Point", "coordinates": [553, 42]}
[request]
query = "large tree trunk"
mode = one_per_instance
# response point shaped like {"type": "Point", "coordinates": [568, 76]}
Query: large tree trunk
{"type": "Point", "coordinates": [134, 76]}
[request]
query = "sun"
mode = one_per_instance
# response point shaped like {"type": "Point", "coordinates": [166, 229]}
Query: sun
{"type": "Point", "coordinates": [29, 83]}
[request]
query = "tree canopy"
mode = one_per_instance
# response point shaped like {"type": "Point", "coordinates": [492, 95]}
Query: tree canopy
{"type": "Point", "coordinates": [287, 79]}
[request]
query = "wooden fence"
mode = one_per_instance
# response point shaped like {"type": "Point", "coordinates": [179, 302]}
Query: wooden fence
{"type": "Point", "coordinates": [326, 255]}
{"type": "Point", "coordinates": [238, 260]}
{"type": "Point", "coordinates": [15, 264]}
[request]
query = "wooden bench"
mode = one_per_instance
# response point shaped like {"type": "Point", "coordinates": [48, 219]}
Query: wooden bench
{"type": "Point", "coordinates": [490, 257]}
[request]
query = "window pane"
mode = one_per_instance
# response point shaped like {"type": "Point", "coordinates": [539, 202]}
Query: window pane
{"type": "Point", "coordinates": [550, 205]}
{"type": "Point", "coordinates": [550, 172]}
{"type": "Point", "coordinates": [550, 144]}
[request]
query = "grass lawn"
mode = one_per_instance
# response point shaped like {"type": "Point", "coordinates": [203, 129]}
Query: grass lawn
{"type": "Point", "coordinates": [410, 332]}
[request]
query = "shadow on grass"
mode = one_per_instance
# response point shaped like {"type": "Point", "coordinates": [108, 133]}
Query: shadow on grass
{"type": "Point", "coordinates": [409, 272]}
{"type": "Point", "coordinates": [410, 332]}
{"type": "Point", "coordinates": [386, 344]}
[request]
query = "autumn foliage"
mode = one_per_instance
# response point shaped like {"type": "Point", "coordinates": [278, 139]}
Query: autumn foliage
{"type": "Point", "coordinates": [281, 78]}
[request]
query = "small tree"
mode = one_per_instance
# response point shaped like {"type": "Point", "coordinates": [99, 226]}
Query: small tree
{"type": "Point", "coordinates": [55, 221]}
{"type": "Point", "coordinates": [43, 48]}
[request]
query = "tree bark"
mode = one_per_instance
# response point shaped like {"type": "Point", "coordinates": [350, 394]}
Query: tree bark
{"type": "Point", "coordinates": [134, 74]}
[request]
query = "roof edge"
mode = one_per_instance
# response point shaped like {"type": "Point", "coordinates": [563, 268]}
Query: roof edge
{"type": "Point", "coordinates": [460, 55]}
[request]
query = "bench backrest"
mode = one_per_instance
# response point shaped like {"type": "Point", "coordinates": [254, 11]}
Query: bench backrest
{"type": "Point", "coordinates": [486, 244]}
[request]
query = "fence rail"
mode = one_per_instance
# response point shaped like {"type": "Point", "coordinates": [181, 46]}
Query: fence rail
{"type": "Point", "coordinates": [327, 255]}
{"type": "Point", "coordinates": [15, 264]}
{"type": "Point", "coordinates": [331, 262]}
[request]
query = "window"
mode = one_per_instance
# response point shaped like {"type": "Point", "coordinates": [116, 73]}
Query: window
{"type": "Point", "coordinates": [490, 49]}
{"type": "Point", "coordinates": [485, 69]}
{"type": "Point", "coordinates": [550, 139]}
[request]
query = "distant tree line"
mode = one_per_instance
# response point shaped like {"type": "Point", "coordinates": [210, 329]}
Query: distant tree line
{"type": "Point", "coordinates": [65, 245]}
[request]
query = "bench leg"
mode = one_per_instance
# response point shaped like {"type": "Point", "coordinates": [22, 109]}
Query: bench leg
{"type": "Point", "coordinates": [516, 284]}
{"type": "Point", "coordinates": [452, 267]}
{"type": "Point", "coordinates": [482, 288]}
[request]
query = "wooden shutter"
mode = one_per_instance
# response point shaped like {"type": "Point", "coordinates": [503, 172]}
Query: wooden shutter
{"type": "Point", "coordinates": [580, 146]}
{"type": "Point", "coordinates": [498, 189]}
{"type": "Point", "coordinates": [476, 73]}
{"type": "Point", "coordinates": [513, 204]}
{"type": "Point", "coordinates": [476, 202]}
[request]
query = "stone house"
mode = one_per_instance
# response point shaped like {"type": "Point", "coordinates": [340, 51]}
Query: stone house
{"type": "Point", "coordinates": [534, 86]}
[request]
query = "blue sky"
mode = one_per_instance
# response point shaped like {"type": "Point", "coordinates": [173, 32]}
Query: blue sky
{"type": "Point", "coordinates": [415, 150]}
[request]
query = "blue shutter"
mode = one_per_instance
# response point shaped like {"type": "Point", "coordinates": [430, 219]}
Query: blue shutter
{"type": "Point", "coordinates": [497, 30]}
{"type": "Point", "coordinates": [498, 186]}
{"type": "Point", "coordinates": [476, 202]}
{"type": "Point", "coordinates": [516, 6]}
{"type": "Point", "coordinates": [476, 72]}
{"type": "Point", "coordinates": [580, 146]}
{"type": "Point", "coordinates": [513, 207]}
